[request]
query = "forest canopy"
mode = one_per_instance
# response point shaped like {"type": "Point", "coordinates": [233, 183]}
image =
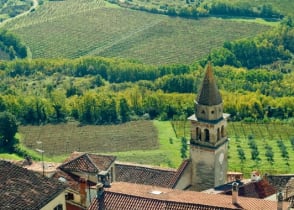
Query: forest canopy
{"type": "Point", "coordinates": [254, 75]}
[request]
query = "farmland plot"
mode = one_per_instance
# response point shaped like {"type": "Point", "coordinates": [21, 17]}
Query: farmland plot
{"type": "Point", "coordinates": [75, 28]}
{"type": "Point", "coordinates": [267, 147]}
{"type": "Point", "coordinates": [65, 138]}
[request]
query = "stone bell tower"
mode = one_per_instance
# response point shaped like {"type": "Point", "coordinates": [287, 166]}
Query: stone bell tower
{"type": "Point", "coordinates": [209, 142]}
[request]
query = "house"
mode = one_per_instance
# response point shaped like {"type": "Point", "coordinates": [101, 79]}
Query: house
{"type": "Point", "coordinates": [24, 189]}
{"type": "Point", "coordinates": [126, 196]}
{"type": "Point", "coordinates": [79, 172]}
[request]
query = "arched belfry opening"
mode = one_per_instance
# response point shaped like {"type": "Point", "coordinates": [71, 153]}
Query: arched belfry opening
{"type": "Point", "coordinates": [223, 133]}
{"type": "Point", "coordinates": [206, 134]}
{"type": "Point", "coordinates": [198, 134]}
{"type": "Point", "coordinates": [218, 134]}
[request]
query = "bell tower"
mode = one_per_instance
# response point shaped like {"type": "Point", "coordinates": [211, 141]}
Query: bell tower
{"type": "Point", "coordinates": [208, 142]}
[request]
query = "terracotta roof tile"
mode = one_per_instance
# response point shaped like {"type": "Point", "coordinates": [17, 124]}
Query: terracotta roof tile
{"type": "Point", "coordinates": [72, 181]}
{"type": "Point", "coordinates": [257, 189]}
{"type": "Point", "coordinates": [90, 163]}
{"type": "Point", "coordinates": [279, 181]}
{"type": "Point", "coordinates": [123, 195]}
{"type": "Point", "coordinates": [179, 172]}
{"type": "Point", "coordinates": [133, 173]}
{"type": "Point", "coordinates": [24, 189]}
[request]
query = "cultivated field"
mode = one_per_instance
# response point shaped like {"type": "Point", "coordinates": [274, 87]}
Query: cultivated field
{"type": "Point", "coordinates": [75, 28]}
{"type": "Point", "coordinates": [156, 143]}
{"type": "Point", "coordinates": [264, 135]}
{"type": "Point", "coordinates": [66, 138]}
{"type": "Point", "coordinates": [146, 142]}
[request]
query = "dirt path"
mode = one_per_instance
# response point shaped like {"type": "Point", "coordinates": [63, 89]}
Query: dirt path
{"type": "Point", "coordinates": [34, 6]}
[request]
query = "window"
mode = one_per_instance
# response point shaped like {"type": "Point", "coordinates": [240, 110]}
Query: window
{"type": "Point", "coordinates": [198, 134]}
{"type": "Point", "coordinates": [58, 207]}
{"type": "Point", "coordinates": [69, 196]}
{"type": "Point", "coordinates": [206, 132]}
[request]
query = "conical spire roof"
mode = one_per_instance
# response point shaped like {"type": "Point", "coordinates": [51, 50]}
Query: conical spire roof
{"type": "Point", "coordinates": [209, 94]}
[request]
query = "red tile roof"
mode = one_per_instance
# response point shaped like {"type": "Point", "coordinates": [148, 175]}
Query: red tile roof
{"type": "Point", "coordinates": [179, 173]}
{"type": "Point", "coordinates": [72, 181]}
{"type": "Point", "coordinates": [90, 163]}
{"type": "Point", "coordinates": [24, 189]}
{"type": "Point", "coordinates": [258, 189]}
{"type": "Point", "coordinates": [125, 196]}
{"type": "Point", "coordinates": [141, 174]}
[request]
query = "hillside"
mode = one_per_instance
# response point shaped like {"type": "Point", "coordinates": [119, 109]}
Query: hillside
{"type": "Point", "coordinates": [75, 28]}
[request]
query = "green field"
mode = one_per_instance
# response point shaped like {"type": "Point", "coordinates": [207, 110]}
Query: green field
{"type": "Point", "coordinates": [75, 28]}
{"type": "Point", "coordinates": [144, 142]}
{"type": "Point", "coordinates": [137, 142]}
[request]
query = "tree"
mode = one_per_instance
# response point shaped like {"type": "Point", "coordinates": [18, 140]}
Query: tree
{"type": "Point", "coordinates": [269, 154]}
{"type": "Point", "coordinates": [124, 110]}
{"type": "Point", "coordinates": [184, 148]}
{"type": "Point", "coordinates": [8, 128]}
{"type": "Point", "coordinates": [242, 156]}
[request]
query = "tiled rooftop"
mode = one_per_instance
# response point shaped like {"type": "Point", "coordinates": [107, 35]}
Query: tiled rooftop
{"type": "Point", "coordinates": [279, 181]}
{"type": "Point", "coordinates": [71, 180]}
{"type": "Point", "coordinates": [178, 174]}
{"type": "Point", "coordinates": [148, 175]}
{"type": "Point", "coordinates": [90, 163]}
{"type": "Point", "coordinates": [24, 189]}
{"type": "Point", "coordinates": [125, 196]}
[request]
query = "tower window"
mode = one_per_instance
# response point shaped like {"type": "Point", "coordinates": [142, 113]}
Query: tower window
{"type": "Point", "coordinates": [223, 131]}
{"type": "Point", "coordinates": [198, 133]}
{"type": "Point", "coordinates": [202, 112]}
{"type": "Point", "coordinates": [218, 134]}
{"type": "Point", "coordinates": [212, 112]}
{"type": "Point", "coordinates": [206, 131]}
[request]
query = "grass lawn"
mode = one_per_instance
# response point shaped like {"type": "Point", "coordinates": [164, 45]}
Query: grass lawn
{"type": "Point", "coordinates": [167, 155]}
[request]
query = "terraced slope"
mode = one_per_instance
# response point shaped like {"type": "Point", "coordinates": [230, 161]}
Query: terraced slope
{"type": "Point", "coordinates": [75, 28]}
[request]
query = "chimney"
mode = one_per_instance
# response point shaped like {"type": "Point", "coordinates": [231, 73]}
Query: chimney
{"type": "Point", "coordinates": [235, 188]}
{"type": "Point", "coordinates": [103, 181]}
{"type": "Point", "coordinates": [280, 200]}
{"type": "Point", "coordinates": [83, 192]}
{"type": "Point", "coordinates": [100, 196]}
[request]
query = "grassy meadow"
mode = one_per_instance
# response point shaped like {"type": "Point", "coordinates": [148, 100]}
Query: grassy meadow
{"type": "Point", "coordinates": [75, 28]}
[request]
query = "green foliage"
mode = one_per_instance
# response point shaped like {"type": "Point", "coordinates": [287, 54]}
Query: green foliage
{"type": "Point", "coordinates": [43, 91]}
{"type": "Point", "coordinates": [12, 45]}
{"type": "Point", "coordinates": [184, 148]}
{"type": "Point", "coordinates": [8, 129]}
{"type": "Point", "coordinates": [124, 110]}
{"type": "Point", "coordinates": [243, 9]}
{"type": "Point", "coordinates": [241, 155]}
{"type": "Point", "coordinates": [203, 8]}
{"type": "Point", "coordinates": [292, 142]}
{"type": "Point", "coordinates": [261, 50]}
{"type": "Point", "coordinates": [269, 154]}
{"type": "Point", "coordinates": [12, 8]}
